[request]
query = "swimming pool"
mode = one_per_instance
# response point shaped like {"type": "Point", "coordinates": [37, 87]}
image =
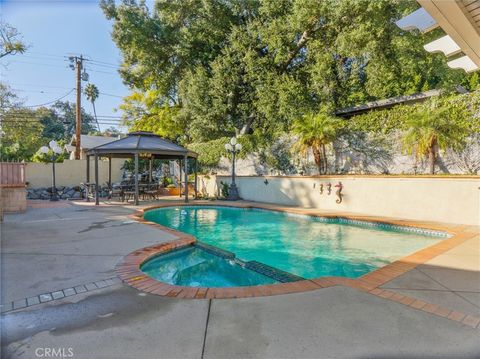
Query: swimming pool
{"type": "Point", "coordinates": [305, 246]}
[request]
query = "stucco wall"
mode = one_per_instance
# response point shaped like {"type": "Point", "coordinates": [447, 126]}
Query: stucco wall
{"type": "Point", "coordinates": [454, 200]}
{"type": "Point", "coordinates": [70, 172]}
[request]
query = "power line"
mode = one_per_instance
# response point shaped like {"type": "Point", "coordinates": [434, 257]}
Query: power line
{"type": "Point", "coordinates": [60, 87]}
{"type": "Point", "coordinates": [57, 56]}
{"type": "Point", "coordinates": [36, 119]}
{"type": "Point", "coordinates": [42, 57]}
{"type": "Point", "coordinates": [109, 94]}
{"type": "Point", "coordinates": [103, 62]}
{"type": "Point", "coordinates": [103, 72]}
{"type": "Point", "coordinates": [45, 54]}
{"type": "Point", "coordinates": [40, 85]}
{"type": "Point", "coordinates": [36, 91]}
{"type": "Point", "coordinates": [32, 122]}
{"type": "Point", "coordinates": [37, 63]}
{"type": "Point", "coordinates": [19, 111]}
{"type": "Point", "coordinates": [113, 67]}
{"type": "Point", "coordinates": [103, 65]}
{"type": "Point", "coordinates": [50, 102]}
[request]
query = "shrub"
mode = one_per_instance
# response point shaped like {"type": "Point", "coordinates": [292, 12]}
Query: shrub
{"type": "Point", "coordinates": [224, 189]}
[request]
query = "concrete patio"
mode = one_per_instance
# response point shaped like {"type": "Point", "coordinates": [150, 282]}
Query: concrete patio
{"type": "Point", "coordinates": [67, 253]}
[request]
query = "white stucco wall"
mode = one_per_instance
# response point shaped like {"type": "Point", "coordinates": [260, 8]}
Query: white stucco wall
{"type": "Point", "coordinates": [70, 172]}
{"type": "Point", "coordinates": [443, 199]}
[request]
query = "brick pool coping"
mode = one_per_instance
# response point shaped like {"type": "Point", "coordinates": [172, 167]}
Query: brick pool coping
{"type": "Point", "coordinates": [128, 269]}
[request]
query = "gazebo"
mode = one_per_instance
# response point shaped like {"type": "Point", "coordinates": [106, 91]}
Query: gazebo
{"type": "Point", "coordinates": [138, 145]}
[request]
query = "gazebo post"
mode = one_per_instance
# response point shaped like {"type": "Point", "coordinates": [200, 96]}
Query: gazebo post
{"type": "Point", "coordinates": [185, 163]}
{"type": "Point", "coordinates": [150, 170]}
{"type": "Point", "coordinates": [180, 176]}
{"type": "Point", "coordinates": [87, 180]}
{"type": "Point", "coordinates": [136, 179]}
{"type": "Point", "coordinates": [97, 200]}
{"type": "Point", "coordinates": [110, 172]}
{"type": "Point", "coordinates": [196, 179]}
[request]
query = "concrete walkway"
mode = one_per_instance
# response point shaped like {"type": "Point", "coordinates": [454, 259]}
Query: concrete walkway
{"type": "Point", "coordinates": [451, 279]}
{"type": "Point", "coordinates": [51, 250]}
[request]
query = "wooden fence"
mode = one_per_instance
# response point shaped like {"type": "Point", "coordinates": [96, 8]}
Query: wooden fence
{"type": "Point", "coordinates": [12, 174]}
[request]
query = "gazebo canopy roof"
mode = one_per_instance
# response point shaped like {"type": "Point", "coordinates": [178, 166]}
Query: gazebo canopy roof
{"type": "Point", "coordinates": [142, 142]}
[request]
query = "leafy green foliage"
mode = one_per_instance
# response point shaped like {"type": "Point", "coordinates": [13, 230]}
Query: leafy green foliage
{"type": "Point", "coordinates": [21, 137]}
{"type": "Point", "coordinates": [20, 132]}
{"type": "Point", "coordinates": [430, 128]}
{"type": "Point", "coordinates": [162, 120]}
{"type": "Point", "coordinates": [91, 93]}
{"type": "Point", "coordinates": [25, 130]}
{"type": "Point", "coordinates": [202, 71]}
{"type": "Point", "coordinates": [10, 41]}
{"type": "Point", "coordinates": [63, 115]}
{"type": "Point", "coordinates": [461, 108]}
{"type": "Point", "coordinates": [48, 157]}
{"type": "Point", "coordinates": [224, 189]}
{"type": "Point", "coordinates": [237, 67]}
{"type": "Point", "coordinates": [210, 152]}
{"type": "Point", "coordinates": [314, 132]}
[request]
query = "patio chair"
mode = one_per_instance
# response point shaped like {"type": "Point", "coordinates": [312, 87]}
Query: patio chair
{"type": "Point", "coordinates": [151, 192]}
{"type": "Point", "coordinates": [129, 192]}
{"type": "Point", "coordinates": [88, 189]}
{"type": "Point", "coordinates": [116, 191]}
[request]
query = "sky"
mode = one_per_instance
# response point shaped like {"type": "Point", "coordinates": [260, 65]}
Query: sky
{"type": "Point", "coordinates": [54, 30]}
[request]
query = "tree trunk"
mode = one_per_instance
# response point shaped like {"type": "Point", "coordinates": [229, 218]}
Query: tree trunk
{"type": "Point", "coordinates": [325, 163]}
{"type": "Point", "coordinates": [304, 38]}
{"type": "Point", "coordinates": [95, 112]}
{"type": "Point", "coordinates": [431, 158]}
{"type": "Point", "coordinates": [317, 156]}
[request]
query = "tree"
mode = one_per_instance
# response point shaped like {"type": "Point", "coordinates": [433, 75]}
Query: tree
{"type": "Point", "coordinates": [91, 92]}
{"type": "Point", "coordinates": [21, 136]}
{"type": "Point", "coordinates": [241, 66]}
{"type": "Point", "coordinates": [112, 132]}
{"type": "Point", "coordinates": [429, 129]}
{"type": "Point", "coordinates": [60, 119]}
{"type": "Point", "coordinates": [23, 130]}
{"type": "Point", "coordinates": [20, 130]}
{"type": "Point", "coordinates": [164, 122]}
{"type": "Point", "coordinates": [314, 132]}
{"type": "Point", "coordinates": [10, 41]}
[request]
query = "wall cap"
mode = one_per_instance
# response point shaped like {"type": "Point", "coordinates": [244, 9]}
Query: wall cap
{"type": "Point", "coordinates": [477, 177]}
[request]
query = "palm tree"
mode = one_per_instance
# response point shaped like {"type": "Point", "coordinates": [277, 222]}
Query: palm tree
{"type": "Point", "coordinates": [431, 129]}
{"type": "Point", "coordinates": [314, 132]}
{"type": "Point", "coordinates": [91, 92]}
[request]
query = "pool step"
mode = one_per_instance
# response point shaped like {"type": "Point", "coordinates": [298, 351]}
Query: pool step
{"type": "Point", "coordinates": [272, 272]}
{"type": "Point", "coordinates": [258, 267]}
{"type": "Point", "coordinates": [214, 250]}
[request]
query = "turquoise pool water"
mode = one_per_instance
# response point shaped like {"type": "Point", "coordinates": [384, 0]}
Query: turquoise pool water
{"type": "Point", "coordinates": [195, 267]}
{"type": "Point", "coordinates": [301, 245]}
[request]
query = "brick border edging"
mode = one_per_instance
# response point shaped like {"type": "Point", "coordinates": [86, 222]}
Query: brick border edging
{"type": "Point", "coordinates": [129, 271]}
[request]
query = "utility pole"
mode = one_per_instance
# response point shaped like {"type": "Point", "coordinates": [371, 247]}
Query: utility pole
{"type": "Point", "coordinates": [76, 63]}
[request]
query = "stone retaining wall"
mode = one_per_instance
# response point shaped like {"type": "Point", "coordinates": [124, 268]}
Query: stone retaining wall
{"type": "Point", "coordinates": [64, 192]}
